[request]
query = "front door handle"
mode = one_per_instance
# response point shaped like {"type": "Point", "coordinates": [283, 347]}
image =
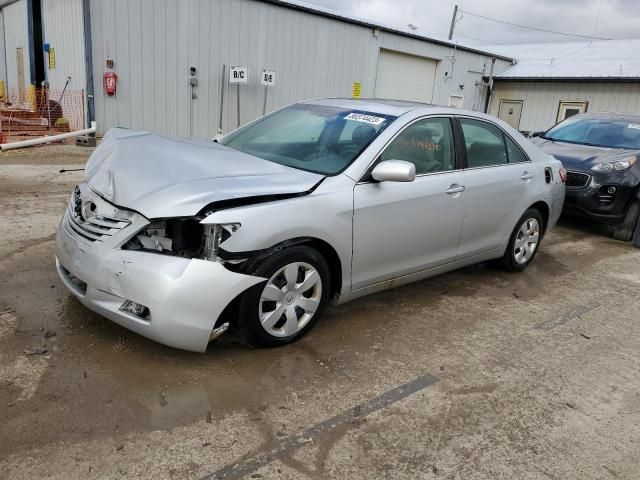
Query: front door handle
{"type": "Point", "coordinates": [526, 176]}
{"type": "Point", "coordinates": [455, 188]}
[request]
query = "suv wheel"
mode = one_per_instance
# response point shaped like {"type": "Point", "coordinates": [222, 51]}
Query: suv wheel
{"type": "Point", "coordinates": [624, 231]}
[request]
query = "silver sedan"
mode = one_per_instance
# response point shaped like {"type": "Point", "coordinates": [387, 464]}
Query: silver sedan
{"type": "Point", "coordinates": [324, 200]}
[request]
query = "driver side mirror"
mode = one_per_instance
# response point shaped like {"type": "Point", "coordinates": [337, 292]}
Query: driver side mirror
{"type": "Point", "coordinates": [394, 171]}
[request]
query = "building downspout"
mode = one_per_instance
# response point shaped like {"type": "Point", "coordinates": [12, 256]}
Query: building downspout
{"type": "Point", "coordinates": [88, 60]}
{"type": "Point", "coordinates": [490, 86]}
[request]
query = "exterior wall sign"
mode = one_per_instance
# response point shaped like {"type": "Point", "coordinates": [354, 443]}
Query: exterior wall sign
{"type": "Point", "coordinates": [238, 75]}
{"type": "Point", "coordinates": [357, 90]}
{"type": "Point", "coordinates": [52, 58]}
{"type": "Point", "coordinates": [268, 78]}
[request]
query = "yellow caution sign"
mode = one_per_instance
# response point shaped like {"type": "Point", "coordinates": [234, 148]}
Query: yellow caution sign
{"type": "Point", "coordinates": [357, 89]}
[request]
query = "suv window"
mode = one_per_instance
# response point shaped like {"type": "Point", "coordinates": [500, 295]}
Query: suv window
{"type": "Point", "coordinates": [428, 144]}
{"type": "Point", "coordinates": [484, 142]}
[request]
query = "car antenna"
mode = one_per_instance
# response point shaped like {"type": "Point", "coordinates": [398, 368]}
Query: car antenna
{"type": "Point", "coordinates": [71, 170]}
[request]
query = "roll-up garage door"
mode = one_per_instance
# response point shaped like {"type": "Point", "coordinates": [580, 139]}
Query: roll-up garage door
{"type": "Point", "coordinates": [405, 77]}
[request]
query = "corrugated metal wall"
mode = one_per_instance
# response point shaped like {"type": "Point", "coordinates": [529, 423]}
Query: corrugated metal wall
{"type": "Point", "coordinates": [154, 42]}
{"type": "Point", "coordinates": [16, 34]}
{"type": "Point", "coordinates": [542, 99]}
{"type": "Point", "coordinates": [64, 31]}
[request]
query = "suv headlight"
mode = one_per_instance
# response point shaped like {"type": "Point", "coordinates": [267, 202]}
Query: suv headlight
{"type": "Point", "coordinates": [606, 167]}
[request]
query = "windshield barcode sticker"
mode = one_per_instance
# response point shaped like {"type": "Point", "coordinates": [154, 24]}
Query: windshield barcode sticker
{"type": "Point", "coordinates": [634, 125]}
{"type": "Point", "coordinates": [361, 117]}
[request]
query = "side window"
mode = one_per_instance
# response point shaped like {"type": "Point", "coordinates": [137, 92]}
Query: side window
{"type": "Point", "coordinates": [484, 142]}
{"type": "Point", "coordinates": [428, 144]}
{"type": "Point", "coordinates": [515, 154]}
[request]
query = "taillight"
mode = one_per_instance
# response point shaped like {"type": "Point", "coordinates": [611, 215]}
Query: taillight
{"type": "Point", "coordinates": [563, 174]}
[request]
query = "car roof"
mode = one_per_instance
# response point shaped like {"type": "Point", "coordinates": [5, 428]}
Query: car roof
{"type": "Point", "coordinates": [377, 105]}
{"type": "Point", "coordinates": [397, 107]}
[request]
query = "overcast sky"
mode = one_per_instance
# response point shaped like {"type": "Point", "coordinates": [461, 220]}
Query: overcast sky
{"type": "Point", "coordinates": [601, 18]}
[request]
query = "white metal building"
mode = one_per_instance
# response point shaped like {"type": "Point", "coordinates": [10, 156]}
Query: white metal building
{"type": "Point", "coordinates": [314, 52]}
{"type": "Point", "coordinates": [552, 81]}
{"type": "Point", "coordinates": [169, 56]}
{"type": "Point", "coordinates": [15, 54]}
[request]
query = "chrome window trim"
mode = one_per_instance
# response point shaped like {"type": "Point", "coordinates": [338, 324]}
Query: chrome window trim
{"type": "Point", "coordinates": [493, 166]}
{"type": "Point", "coordinates": [376, 157]}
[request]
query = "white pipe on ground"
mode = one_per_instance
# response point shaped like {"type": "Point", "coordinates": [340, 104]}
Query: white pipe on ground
{"type": "Point", "coordinates": [49, 139]}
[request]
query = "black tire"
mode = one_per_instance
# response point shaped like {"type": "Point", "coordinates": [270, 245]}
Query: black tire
{"type": "Point", "coordinates": [624, 231]}
{"type": "Point", "coordinates": [249, 326]}
{"type": "Point", "coordinates": [509, 261]}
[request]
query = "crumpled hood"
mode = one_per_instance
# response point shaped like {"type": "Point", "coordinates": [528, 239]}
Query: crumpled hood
{"type": "Point", "coordinates": [161, 176]}
{"type": "Point", "coordinates": [581, 157]}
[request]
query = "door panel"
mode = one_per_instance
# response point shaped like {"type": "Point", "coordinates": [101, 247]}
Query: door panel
{"type": "Point", "coordinates": [401, 228]}
{"type": "Point", "coordinates": [500, 182]}
{"type": "Point", "coordinates": [496, 197]}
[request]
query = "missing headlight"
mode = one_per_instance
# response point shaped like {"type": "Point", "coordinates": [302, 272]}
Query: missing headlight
{"type": "Point", "coordinates": [214, 235]}
{"type": "Point", "coordinates": [179, 237]}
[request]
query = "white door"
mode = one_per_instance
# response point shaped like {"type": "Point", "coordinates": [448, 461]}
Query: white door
{"type": "Point", "coordinates": [510, 111]}
{"type": "Point", "coordinates": [569, 109]}
{"type": "Point", "coordinates": [404, 228]}
{"type": "Point", "coordinates": [405, 77]}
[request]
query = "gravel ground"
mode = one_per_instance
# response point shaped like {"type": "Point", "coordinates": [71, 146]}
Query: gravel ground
{"type": "Point", "coordinates": [477, 374]}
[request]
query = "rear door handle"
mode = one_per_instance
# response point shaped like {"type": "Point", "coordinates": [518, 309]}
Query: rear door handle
{"type": "Point", "coordinates": [526, 176]}
{"type": "Point", "coordinates": [455, 188]}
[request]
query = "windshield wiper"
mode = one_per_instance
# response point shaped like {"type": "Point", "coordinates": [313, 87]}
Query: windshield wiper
{"type": "Point", "coordinates": [574, 142]}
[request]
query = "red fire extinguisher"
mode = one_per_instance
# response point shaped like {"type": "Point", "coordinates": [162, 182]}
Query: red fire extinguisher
{"type": "Point", "coordinates": [110, 79]}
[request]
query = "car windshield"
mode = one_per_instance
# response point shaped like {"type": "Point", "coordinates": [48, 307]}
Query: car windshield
{"type": "Point", "coordinates": [598, 131]}
{"type": "Point", "coordinates": [314, 138]}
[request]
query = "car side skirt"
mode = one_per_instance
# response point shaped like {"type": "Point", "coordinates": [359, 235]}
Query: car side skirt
{"type": "Point", "coordinates": [417, 276]}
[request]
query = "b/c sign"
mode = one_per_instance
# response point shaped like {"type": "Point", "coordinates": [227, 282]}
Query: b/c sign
{"type": "Point", "coordinates": [238, 75]}
{"type": "Point", "coordinates": [268, 78]}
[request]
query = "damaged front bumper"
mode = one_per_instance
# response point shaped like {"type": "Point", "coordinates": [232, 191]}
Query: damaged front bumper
{"type": "Point", "coordinates": [184, 297]}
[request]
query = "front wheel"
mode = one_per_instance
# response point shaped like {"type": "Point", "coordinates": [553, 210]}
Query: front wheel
{"type": "Point", "coordinates": [290, 302]}
{"type": "Point", "coordinates": [624, 231]}
{"type": "Point", "coordinates": [524, 241]}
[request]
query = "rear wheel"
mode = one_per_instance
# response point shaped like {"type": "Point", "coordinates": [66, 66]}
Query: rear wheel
{"type": "Point", "coordinates": [524, 241]}
{"type": "Point", "coordinates": [290, 302]}
{"type": "Point", "coordinates": [624, 231]}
